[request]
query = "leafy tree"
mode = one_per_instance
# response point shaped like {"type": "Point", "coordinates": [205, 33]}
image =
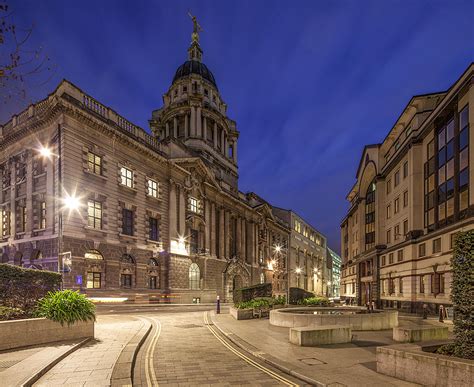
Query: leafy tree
{"type": "Point", "coordinates": [462, 294]}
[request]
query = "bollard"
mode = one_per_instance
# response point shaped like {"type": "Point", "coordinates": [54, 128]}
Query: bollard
{"type": "Point", "coordinates": [441, 313]}
{"type": "Point", "coordinates": [372, 306]}
{"type": "Point", "coordinates": [218, 306]}
{"type": "Point", "coordinates": [425, 311]}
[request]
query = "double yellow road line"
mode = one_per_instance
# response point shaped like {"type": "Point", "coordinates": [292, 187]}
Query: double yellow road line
{"type": "Point", "coordinates": [150, 374]}
{"type": "Point", "coordinates": [247, 359]}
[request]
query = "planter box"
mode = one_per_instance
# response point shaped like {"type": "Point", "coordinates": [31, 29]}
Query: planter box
{"type": "Point", "coordinates": [411, 335]}
{"type": "Point", "coordinates": [408, 362]}
{"type": "Point", "coordinates": [22, 333]}
{"type": "Point", "coordinates": [241, 314]}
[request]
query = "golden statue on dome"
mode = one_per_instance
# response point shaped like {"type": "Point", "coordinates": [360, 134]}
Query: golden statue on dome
{"type": "Point", "coordinates": [196, 28]}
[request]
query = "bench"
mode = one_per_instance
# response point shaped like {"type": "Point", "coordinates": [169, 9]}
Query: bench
{"type": "Point", "coordinates": [320, 335]}
{"type": "Point", "coordinates": [422, 333]}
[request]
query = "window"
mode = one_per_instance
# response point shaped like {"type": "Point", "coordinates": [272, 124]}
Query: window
{"type": "Point", "coordinates": [405, 199]}
{"type": "Point", "coordinates": [94, 163]}
{"type": "Point", "coordinates": [126, 281]}
{"type": "Point", "coordinates": [262, 278]}
{"type": "Point", "coordinates": [383, 260]}
{"type": "Point", "coordinates": [437, 283]}
{"type": "Point", "coordinates": [185, 89]}
{"type": "Point", "coordinates": [436, 245]}
{"type": "Point", "coordinates": [5, 223]}
{"type": "Point", "coordinates": [126, 177]}
{"type": "Point", "coordinates": [154, 229]}
{"type": "Point", "coordinates": [305, 232]}
{"type": "Point", "coordinates": [452, 238]}
{"type": "Point", "coordinates": [297, 226]}
{"type": "Point", "coordinates": [127, 222]}
{"type": "Point", "coordinates": [23, 219]}
{"type": "Point", "coordinates": [389, 186]}
{"type": "Point", "coordinates": [94, 214]}
{"type": "Point", "coordinates": [396, 205]}
{"type": "Point", "coordinates": [400, 255]}
{"type": "Point", "coordinates": [128, 259]}
{"type": "Point", "coordinates": [93, 280]}
{"type": "Point", "coordinates": [370, 216]}
{"type": "Point", "coordinates": [152, 282]}
{"type": "Point", "coordinates": [194, 205]}
{"type": "Point", "coordinates": [42, 215]}
{"type": "Point", "coordinates": [389, 236]}
{"type": "Point", "coordinates": [389, 211]}
{"type": "Point", "coordinates": [405, 227]}
{"type": "Point", "coordinates": [194, 276]}
{"type": "Point", "coordinates": [396, 232]}
{"type": "Point", "coordinates": [400, 285]}
{"type": "Point", "coordinates": [397, 178]}
{"type": "Point", "coordinates": [405, 169]}
{"type": "Point", "coordinates": [390, 258]}
{"type": "Point", "coordinates": [421, 250]}
{"type": "Point", "coordinates": [422, 283]}
{"type": "Point", "coordinates": [391, 286]}
{"type": "Point", "coordinates": [152, 188]}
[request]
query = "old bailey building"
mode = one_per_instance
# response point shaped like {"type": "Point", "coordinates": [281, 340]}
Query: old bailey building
{"type": "Point", "coordinates": [125, 213]}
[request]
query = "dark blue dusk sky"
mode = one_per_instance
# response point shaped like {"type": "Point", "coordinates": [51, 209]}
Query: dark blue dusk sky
{"type": "Point", "coordinates": [308, 82]}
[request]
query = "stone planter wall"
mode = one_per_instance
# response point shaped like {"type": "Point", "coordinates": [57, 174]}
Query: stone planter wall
{"type": "Point", "coordinates": [408, 362]}
{"type": "Point", "coordinates": [241, 314]}
{"type": "Point", "coordinates": [22, 333]}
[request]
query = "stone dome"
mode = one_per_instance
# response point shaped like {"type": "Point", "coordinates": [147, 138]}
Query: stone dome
{"type": "Point", "coordinates": [194, 67]}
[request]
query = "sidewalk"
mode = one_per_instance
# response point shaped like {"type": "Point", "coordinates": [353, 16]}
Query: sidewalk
{"type": "Point", "coordinates": [351, 364]}
{"type": "Point", "coordinates": [92, 364]}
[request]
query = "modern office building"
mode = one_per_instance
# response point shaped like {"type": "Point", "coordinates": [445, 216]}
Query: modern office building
{"type": "Point", "coordinates": [413, 192]}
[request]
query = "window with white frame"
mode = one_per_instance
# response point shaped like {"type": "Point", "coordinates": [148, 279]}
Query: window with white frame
{"type": "Point", "coordinates": [152, 188]}
{"type": "Point", "coordinates": [194, 205]}
{"type": "Point", "coordinates": [126, 177]}
{"type": "Point", "coordinates": [94, 214]}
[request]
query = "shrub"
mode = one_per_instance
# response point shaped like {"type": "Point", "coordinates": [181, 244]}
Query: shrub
{"type": "Point", "coordinates": [280, 300]}
{"type": "Point", "coordinates": [66, 306]}
{"type": "Point", "coordinates": [298, 294]}
{"type": "Point", "coordinates": [22, 288]}
{"type": "Point", "coordinates": [315, 301]}
{"type": "Point", "coordinates": [462, 294]}
{"type": "Point", "coordinates": [261, 303]}
{"type": "Point", "coordinates": [7, 313]}
{"type": "Point", "coordinates": [251, 292]}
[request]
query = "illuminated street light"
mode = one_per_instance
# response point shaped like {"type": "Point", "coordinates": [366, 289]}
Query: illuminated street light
{"type": "Point", "coordinates": [71, 202]}
{"type": "Point", "coordinates": [298, 270]}
{"type": "Point", "coordinates": [45, 152]}
{"type": "Point", "coordinates": [278, 248]}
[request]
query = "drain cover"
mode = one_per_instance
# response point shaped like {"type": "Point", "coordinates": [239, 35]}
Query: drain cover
{"type": "Point", "coordinates": [312, 361]}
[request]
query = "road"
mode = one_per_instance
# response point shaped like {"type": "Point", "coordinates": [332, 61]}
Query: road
{"type": "Point", "coordinates": [184, 348]}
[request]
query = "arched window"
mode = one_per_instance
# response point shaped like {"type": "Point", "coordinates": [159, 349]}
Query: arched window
{"type": "Point", "coordinates": [262, 278]}
{"type": "Point", "coordinates": [127, 258]}
{"type": "Point", "coordinates": [370, 216]}
{"type": "Point", "coordinates": [194, 276]}
{"type": "Point", "coordinates": [93, 254]}
{"type": "Point", "coordinates": [153, 262]}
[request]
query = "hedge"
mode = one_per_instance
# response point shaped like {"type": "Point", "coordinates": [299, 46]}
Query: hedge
{"type": "Point", "coordinates": [297, 295]}
{"type": "Point", "coordinates": [462, 294]}
{"type": "Point", "coordinates": [22, 288]}
{"type": "Point", "coordinates": [250, 292]}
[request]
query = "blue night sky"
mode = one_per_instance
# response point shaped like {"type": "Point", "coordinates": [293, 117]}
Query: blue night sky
{"type": "Point", "coordinates": [308, 82]}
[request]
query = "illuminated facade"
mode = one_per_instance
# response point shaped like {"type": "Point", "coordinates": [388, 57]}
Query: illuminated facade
{"type": "Point", "coordinates": [126, 213]}
{"type": "Point", "coordinates": [414, 191]}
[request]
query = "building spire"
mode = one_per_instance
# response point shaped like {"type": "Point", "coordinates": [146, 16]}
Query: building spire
{"type": "Point", "coordinates": [194, 50]}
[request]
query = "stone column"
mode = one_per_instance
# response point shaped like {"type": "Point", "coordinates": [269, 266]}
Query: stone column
{"type": "Point", "coordinates": [223, 142]}
{"type": "Point", "coordinates": [234, 150]}
{"type": "Point", "coordinates": [207, 219]}
{"type": "Point", "coordinates": [244, 240]}
{"type": "Point", "coordinates": [213, 229]}
{"type": "Point", "coordinates": [238, 242]}
{"type": "Point", "coordinates": [49, 197]}
{"type": "Point", "coordinates": [215, 134]}
{"type": "Point", "coordinates": [193, 122]}
{"type": "Point", "coordinates": [167, 129]}
{"type": "Point", "coordinates": [175, 127]}
{"type": "Point", "coordinates": [186, 125]}
{"type": "Point", "coordinates": [29, 196]}
{"type": "Point", "coordinates": [227, 234]}
{"type": "Point", "coordinates": [12, 201]}
{"type": "Point", "coordinates": [198, 122]}
{"type": "Point", "coordinates": [204, 132]}
{"type": "Point", "coordinates": [182, 212]}
{"type": "Point", "coordinates": [221, 233]}
{"type": "Point", "coordinates": [226, 146]}
{"type": "Point", "coordinates": [173, 219]}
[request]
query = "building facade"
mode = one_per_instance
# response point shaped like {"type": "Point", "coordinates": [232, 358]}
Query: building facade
{"type": "Point", "coordinates": [306, 254]}
{"type": "Point", "coordinates": [334, 288]}
{"type": "Point", "coordinates": [121, 212]}
{"type": "Point", "coordinates": [413, 192]}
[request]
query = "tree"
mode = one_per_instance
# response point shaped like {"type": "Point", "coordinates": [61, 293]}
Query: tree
{"type": "Point", "coordinates": [21, 66]}
{"type": "Point", "coordinates": [462, 294]}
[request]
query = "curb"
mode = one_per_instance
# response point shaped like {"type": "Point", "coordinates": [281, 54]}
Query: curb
{"type": "Point", "coordinates": [34, 378]}
{"type": "Point", "coordinates": [265, 357]}
{"type": "Point", "coordinates": [122, 374]}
